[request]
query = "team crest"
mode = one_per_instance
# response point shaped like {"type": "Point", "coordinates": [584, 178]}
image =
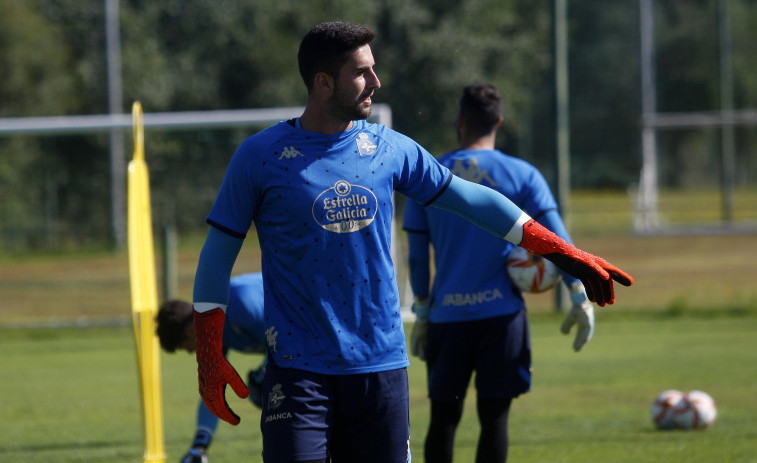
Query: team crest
{"type": "Point", "coordinates": [276, 397]}
{"type": "Point", "coordinates": [365, 146]}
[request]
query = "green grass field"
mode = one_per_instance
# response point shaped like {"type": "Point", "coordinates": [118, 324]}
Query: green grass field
{"type": "Point", "coordinates": [70, 395]}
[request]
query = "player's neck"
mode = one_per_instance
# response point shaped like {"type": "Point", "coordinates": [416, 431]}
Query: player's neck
{"type": "Point", "coordinates": [477, 143]}
{"type": "Point", "coordinates": [320, 122]}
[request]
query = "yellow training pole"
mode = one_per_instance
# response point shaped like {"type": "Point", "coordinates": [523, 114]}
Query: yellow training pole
{"type": "Point", "coordinates": [144, 294]}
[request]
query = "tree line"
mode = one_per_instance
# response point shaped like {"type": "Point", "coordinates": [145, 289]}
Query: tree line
{"type": "Point", "coordinates": [189, 55]}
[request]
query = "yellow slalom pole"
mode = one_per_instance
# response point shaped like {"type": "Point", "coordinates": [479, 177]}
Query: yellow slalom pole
{"type": "Point", "coordinates": [144, 294]}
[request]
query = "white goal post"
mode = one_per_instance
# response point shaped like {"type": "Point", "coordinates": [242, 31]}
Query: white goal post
{"type": "Point", "coordinates": [184, 120]}
{"type": "Point", "coordinates": [646, 215]}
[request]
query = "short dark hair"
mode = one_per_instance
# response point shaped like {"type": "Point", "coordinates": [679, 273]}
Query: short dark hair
{"type": "Point", "coordinates": [481, 107]}
{"type": "Point", "coordinates": [172, 320]}
{"type": "Point", "coordinates": [327, 46]}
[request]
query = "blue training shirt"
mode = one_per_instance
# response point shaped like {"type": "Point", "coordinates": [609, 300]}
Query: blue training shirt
{"type": "Point", "coordinates": [322, 207]}
{"type": "Point", "coordinates": [244, 327]}
{"type": "Point", "coordinates": [471, 283]}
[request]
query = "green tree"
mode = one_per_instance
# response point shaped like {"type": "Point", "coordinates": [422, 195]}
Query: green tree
{"type": "Point", "coordinates": [36, 81]}
{"type": "Point", "coordinates": [428, 50]}
{"type": "Point", "coordinates": [604, 93]}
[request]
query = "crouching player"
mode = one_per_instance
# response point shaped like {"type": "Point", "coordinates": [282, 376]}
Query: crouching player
{"type": "Point", "coordinates": [243, 332]}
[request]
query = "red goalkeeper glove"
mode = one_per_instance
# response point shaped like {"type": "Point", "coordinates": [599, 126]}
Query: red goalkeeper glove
{"type": "Point", "coordinates": [213, 369]}
{"type": "Point", "coordinates": [594, 272]}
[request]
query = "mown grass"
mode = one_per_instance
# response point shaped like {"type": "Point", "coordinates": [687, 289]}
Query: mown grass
{"type": "Point", "coordinates": [70, 395]}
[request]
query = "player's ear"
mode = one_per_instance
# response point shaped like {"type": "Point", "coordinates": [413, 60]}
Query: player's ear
{"type": "Point", "coordinates": [324, 83]}
{"type": "Point", "coordinates": [460, 120]}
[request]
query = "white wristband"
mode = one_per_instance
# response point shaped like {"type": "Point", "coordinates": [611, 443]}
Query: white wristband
{"type": "Point", "coordinates": [578, 293]}
{"type": "Point", "coordinates": [515, 235]}
{"type": "Point", "coordinates": [202, 307]}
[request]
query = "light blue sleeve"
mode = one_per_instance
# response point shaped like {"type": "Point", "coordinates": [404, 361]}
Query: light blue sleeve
{"type": "Point", "coordinates": [418, 241]}
{"type": "Point", "coordinates": [480, 205]}
{"type": "Point", "coordinates": [214, 267]}
{"type": "Point", "coordinates": [418, 262]}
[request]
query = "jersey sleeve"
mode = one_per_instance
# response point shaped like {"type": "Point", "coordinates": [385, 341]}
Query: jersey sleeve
{"type": "Point", "coordinates": [539, 199]}
{"type": "Point", "coordinates": [237, 199]}
{"type": "Point", "coordinates": [421, 177]}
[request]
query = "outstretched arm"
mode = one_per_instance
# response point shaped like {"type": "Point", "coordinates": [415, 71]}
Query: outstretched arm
{"type": "Point", "coordinates": [495, 213]}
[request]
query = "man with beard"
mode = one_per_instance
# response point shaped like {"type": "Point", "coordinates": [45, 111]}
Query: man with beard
{"type": "Point", "coordinates": [319, 191]}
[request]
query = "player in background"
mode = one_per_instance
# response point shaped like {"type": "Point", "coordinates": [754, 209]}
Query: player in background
{"type": "Point", "coordinates": [243, 332]}
{"type": "Point", "coordinates": [319, 191]}
{"type": "Point", "coordinates": [487, 329]}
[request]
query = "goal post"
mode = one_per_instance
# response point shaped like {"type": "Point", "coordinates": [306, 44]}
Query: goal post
{"type": "Point", "coordinates": [647, 216]}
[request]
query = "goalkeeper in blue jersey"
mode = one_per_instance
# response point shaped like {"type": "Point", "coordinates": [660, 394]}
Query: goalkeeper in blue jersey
{"type": "Point", "coordinates": [319, 191]}
{"type": "Point", "coordinates": [243, 332]}
{"type": "Point", "coordinates": [487, 334]}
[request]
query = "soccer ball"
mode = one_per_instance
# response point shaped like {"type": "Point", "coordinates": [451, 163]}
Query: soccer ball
{"type": "Point", "coordinates": [696, 410]}
{"type": "Point", "coordinates": [662, 408]}
{"type": "Point", "coordinates": [531, 273]}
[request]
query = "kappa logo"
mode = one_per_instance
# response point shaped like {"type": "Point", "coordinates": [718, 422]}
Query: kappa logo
{"type": "Point", "coordinates": [365, 146]}
{"type": "Point", "coordinates": [290, 152]}
{"type": "Point", "coordinates": [472, 173]}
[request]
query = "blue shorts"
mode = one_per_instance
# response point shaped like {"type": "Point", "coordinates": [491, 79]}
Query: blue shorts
{"type": "Point", "coordinates": [347, 418]}
{"type": "Point", "coordinates": [498, 349]}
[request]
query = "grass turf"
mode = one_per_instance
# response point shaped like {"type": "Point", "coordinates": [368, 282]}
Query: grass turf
{"type": "Point", "coordinates": [70, 395]}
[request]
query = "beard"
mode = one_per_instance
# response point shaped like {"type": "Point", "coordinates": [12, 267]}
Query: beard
{"type": "Point", "coordinates": [343, 107]}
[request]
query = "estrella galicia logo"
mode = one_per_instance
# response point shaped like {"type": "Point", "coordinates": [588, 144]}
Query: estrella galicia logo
{"type": "Point", "coordinates": [345, 208]}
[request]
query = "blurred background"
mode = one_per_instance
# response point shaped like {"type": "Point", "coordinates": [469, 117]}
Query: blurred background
{"type": "Point", "coordinates": [640, 114]}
